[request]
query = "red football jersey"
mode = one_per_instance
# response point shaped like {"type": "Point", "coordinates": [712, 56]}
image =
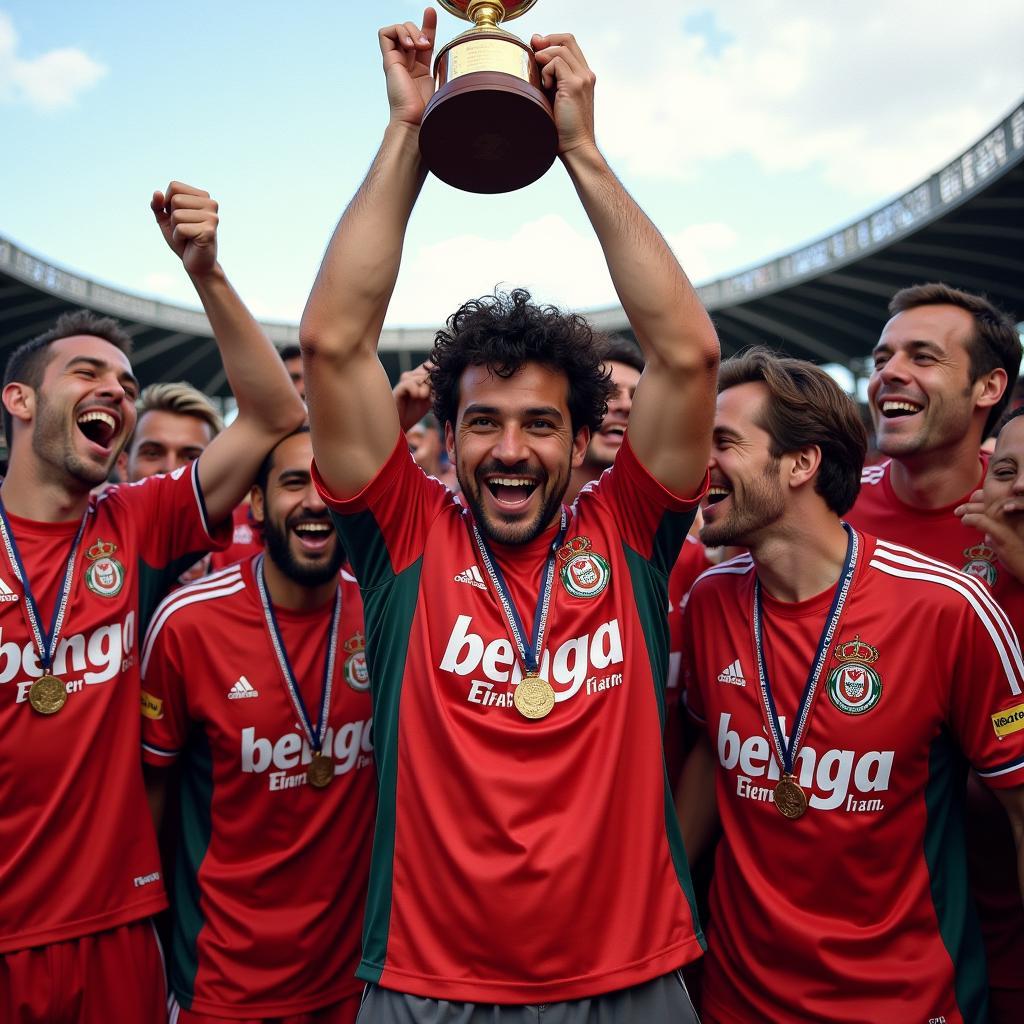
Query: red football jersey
{"type": "Point", "coordinates": [991, 851]}
{"type": "Point", "coordinates": [271, 873]}
{"type": "Point", "coordinates": [692, 561]}
{"type": "Point", "coordinates": [520, 861]}
{"type": "Point", "coordinates": [857, 911]}
{"type": "Point", "coordinates": [77, 849]}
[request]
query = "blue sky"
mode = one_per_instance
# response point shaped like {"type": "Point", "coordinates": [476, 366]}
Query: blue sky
{"type": "Point", "coordinates": [743, 129]}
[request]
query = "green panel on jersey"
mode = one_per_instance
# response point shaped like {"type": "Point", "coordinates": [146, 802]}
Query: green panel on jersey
{"type": "Point", "coordinates": [650, 591]}
{"type": "Point", "coordinates": [389, 604]}
{"type": "Point", "coordinates": [946, 854]}
{"type": "Point", "coordinates": [196, 801]}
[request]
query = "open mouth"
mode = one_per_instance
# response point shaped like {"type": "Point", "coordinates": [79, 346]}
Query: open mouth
{"type": "Point", "coordinates": [613, 432]}
{"type": "Point", "coordinates": [511, 491]}
{"type": "Point", "coordinates": [99, 426]}
{"type": "Point", "coordinates": [314, 535]}
{"type": "Point", "coordinates": [895, 408]}
{"type": "Point", "coordinates": [717, 493]}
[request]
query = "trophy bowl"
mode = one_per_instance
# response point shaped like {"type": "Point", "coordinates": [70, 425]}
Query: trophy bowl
{"type": "Point", "coordinates": [489, 127]}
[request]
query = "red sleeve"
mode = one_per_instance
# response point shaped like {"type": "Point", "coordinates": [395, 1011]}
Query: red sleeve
{"type": "Point", "coordinates": [165, 714]}
{"type": "Point", "coordinates": [171, 514]}
{"type": "Point", "coordinates": [384, 527]}
{"type": "Point", "coordinates": [653, 521]}
{"type": "Point", "coordinates": [987, 696]}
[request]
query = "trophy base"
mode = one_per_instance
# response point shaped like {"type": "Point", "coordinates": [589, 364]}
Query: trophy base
{"type": "Point", "coordinates": [488, 132]}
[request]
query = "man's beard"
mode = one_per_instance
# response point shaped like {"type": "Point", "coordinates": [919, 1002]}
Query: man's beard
{"type": "Point", "coordinates": [53, 445]}
{"type": "Point", "coordinates": [763, 504]}
{"type": "Point", "coordinates": [281, 554]}
{"type": "Point", "coordinates": [520, 532]}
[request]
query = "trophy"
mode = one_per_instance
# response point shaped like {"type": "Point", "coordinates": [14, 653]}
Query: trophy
{"type": "Point", "coordinates": [489, 127]}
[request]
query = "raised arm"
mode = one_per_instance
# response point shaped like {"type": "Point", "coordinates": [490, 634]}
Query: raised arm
{"type": "Point", "coordinates": [673, 408]}
{"type": "Point", "coordinates": [268, 407]}
{"type": "Point", "coordinates": [352, 415]}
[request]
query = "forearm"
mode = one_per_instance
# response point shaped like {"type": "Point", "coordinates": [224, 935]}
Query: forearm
{"type": "Point", "coordinates": [696, 801]}
{"type": "Point", "coordinates": [668, 318]}
{"type": "Point", "coordinates": [350, 296]}
{"type": "Point", "coordinates": [255, 373]}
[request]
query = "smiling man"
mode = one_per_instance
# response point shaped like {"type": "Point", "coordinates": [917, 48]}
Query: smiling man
{"type": "Point", "coordinates": [525, 850]}
{"type": "Point", "coordinates": [843, 682]}
{"type": "Point", "coordinates": [255, 682]}
{"type": "Point", "coordinates": [79, 870]}
{"type": "Point", "coordinates": [944, 369]}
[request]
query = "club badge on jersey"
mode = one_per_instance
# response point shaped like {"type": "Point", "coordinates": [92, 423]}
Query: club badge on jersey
{"type": "Point", "coordinates": [584, 572]}
{"type": "Point", "coordinates": [854, 687]}
{"type": "Point", "coordinates": [357, 675]}
{"type": "Point", "coordinates": [981, 563]}
{"type": "Point", "coordinates": [105, 575]}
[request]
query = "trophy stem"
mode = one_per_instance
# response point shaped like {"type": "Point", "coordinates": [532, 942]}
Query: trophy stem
{"type": "Point", "coordinates": [486, 13]}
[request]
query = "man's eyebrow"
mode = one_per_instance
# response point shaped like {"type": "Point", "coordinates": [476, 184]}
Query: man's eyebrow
{"type": "Point", "coordinates": [544, 410]}
{"type": "Point", "coordinates": [726, 432]}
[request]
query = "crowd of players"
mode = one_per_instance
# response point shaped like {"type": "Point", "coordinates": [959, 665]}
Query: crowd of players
{"type": "Point", "coordinates": [424, 757]}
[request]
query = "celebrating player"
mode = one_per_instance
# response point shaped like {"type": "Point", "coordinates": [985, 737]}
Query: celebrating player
{"type": "Point", "coordinates": [945, 366]}
{"type": "Point", "coordinates": [79, 872]}
{"type": "Point", "coordinates": [525, 849]}
{"type": "Point", "coordinates": [256, 677]}
{"type": "Point", "coordinates": [839, 677]}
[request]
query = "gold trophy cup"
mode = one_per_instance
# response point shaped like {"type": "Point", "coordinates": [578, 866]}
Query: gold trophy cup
{"type": "Point", "coordinates": [489, 127]}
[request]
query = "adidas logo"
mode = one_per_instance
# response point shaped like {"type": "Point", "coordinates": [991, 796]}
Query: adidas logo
{"type": "Point", "coordinates": [7, 596]}
{"type": "Point", "coordinates": [242, 689]}
{"type": "Point", "coordinates": [732, 674]}
{"type": "Point", "coordinates": [472, 577]}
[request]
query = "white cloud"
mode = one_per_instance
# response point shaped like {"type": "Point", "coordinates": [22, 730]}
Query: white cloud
{"type": "Point", "coordinates": [50, 81]}
{"type": "Point", "coordinates": [875, 96]}
{"type": "Point", "coordinates": [557, 262]}
{"type": "Point", "coordinates": [171, 287]}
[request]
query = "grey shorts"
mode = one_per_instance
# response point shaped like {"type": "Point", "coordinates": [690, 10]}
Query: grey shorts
{"type": "Point", "coordinates": [662, 1000]}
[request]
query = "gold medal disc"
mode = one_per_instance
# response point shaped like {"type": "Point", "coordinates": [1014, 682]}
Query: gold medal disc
{"type": "Point", "coordinates": [790, 799]}
{"type": "Point", "coordinates": [320, 771]}
{"type": "Point", "coordinates": [534, 697]}
{"type": "Point", "coordinates": [47, 695]}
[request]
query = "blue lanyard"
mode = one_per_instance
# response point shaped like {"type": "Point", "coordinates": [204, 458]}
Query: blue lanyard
{"type": "Point", "coordinates": [530, 655]}
{"type": "Point", "coordinates": [46, 643]}
{"type": "Point", "coordinates": [786, 753]}
{"type": "Point", "coordinates": [315, 736]}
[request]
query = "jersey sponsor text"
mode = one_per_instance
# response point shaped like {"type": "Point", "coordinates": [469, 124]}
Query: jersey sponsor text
{"type": "Point", "coordinates": [351, 746]}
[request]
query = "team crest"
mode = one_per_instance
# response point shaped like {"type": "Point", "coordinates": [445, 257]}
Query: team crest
{"type": "Point", "coordinates": [357, 675]}
{"type": "Point", "coordinates": [854, 686]}
{"type": "Point", "coordinates": [981, 563]}
{"type": "Point", "coordinates": [584, 572]}
{"type": "Point", "coordinates": [105, 576]}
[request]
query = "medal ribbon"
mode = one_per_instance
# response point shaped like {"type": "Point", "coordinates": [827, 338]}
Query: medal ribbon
{"type": "Point", "coordinates": [46, 643]}
{"type": "Point", "coordinates": [314, 736]}
{"type": "Point", "coordinates": [530, 655]}
{"type": "Point", "coordinates": [786, 753]}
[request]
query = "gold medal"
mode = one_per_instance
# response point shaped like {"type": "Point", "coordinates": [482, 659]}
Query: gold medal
{"type": "Point", "coordinates": [790, 799]}
{"type": "Point", "coordinates": [534, 697]}
{"type": "Point", "coordinates": [320, 770]}
{"type": "Point", "coordinates": [48, 695]}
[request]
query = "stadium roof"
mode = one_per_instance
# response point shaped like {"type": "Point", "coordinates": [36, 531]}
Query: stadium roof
{"type": "Point", "coordinates": [825, 300]}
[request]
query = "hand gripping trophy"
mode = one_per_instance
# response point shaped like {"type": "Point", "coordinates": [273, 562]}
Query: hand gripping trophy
{"type": "Point", "coordinates": [489, 126]}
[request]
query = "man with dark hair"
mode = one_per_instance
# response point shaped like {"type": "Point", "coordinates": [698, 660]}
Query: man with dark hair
{"type": "Point", "coordinates": [835, 736]}
{"type": "Point", "coordinates": [79, 871]}
{"type": "Point", "coordinates": [517, 647]}
{"type": "Point", "coordinates": [944, 369]}
{"type": "Point", "coordinates": [254, 681]}
{"type": "Point", "coordinates": [291, 356]}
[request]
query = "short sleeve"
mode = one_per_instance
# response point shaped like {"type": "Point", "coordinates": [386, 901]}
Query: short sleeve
{"type": "Point", "coordinates": [654, 521]}
{"type": "Point", "coordinates": [987, 697]}
{"type": "Point", "coordinates": [384, 527]}
{"type": "Point", "coordinates": [164, 705]}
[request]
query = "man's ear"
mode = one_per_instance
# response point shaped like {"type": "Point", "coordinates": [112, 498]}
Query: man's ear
{"type": "Point", "coordinates": [122, 466]}
{"type": "Point", "coordinates": [20, 401]}
{"type": "Point", "coordinates": [804, 465]}
{"type": "Point", "coordinates": [256, 505]}
{"type": "Point", "coordinates": [991, 386]}
{"type": "Point", "coordinates": [449, 441]}
{"type": "Point", "coordinates": [580, 443]}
